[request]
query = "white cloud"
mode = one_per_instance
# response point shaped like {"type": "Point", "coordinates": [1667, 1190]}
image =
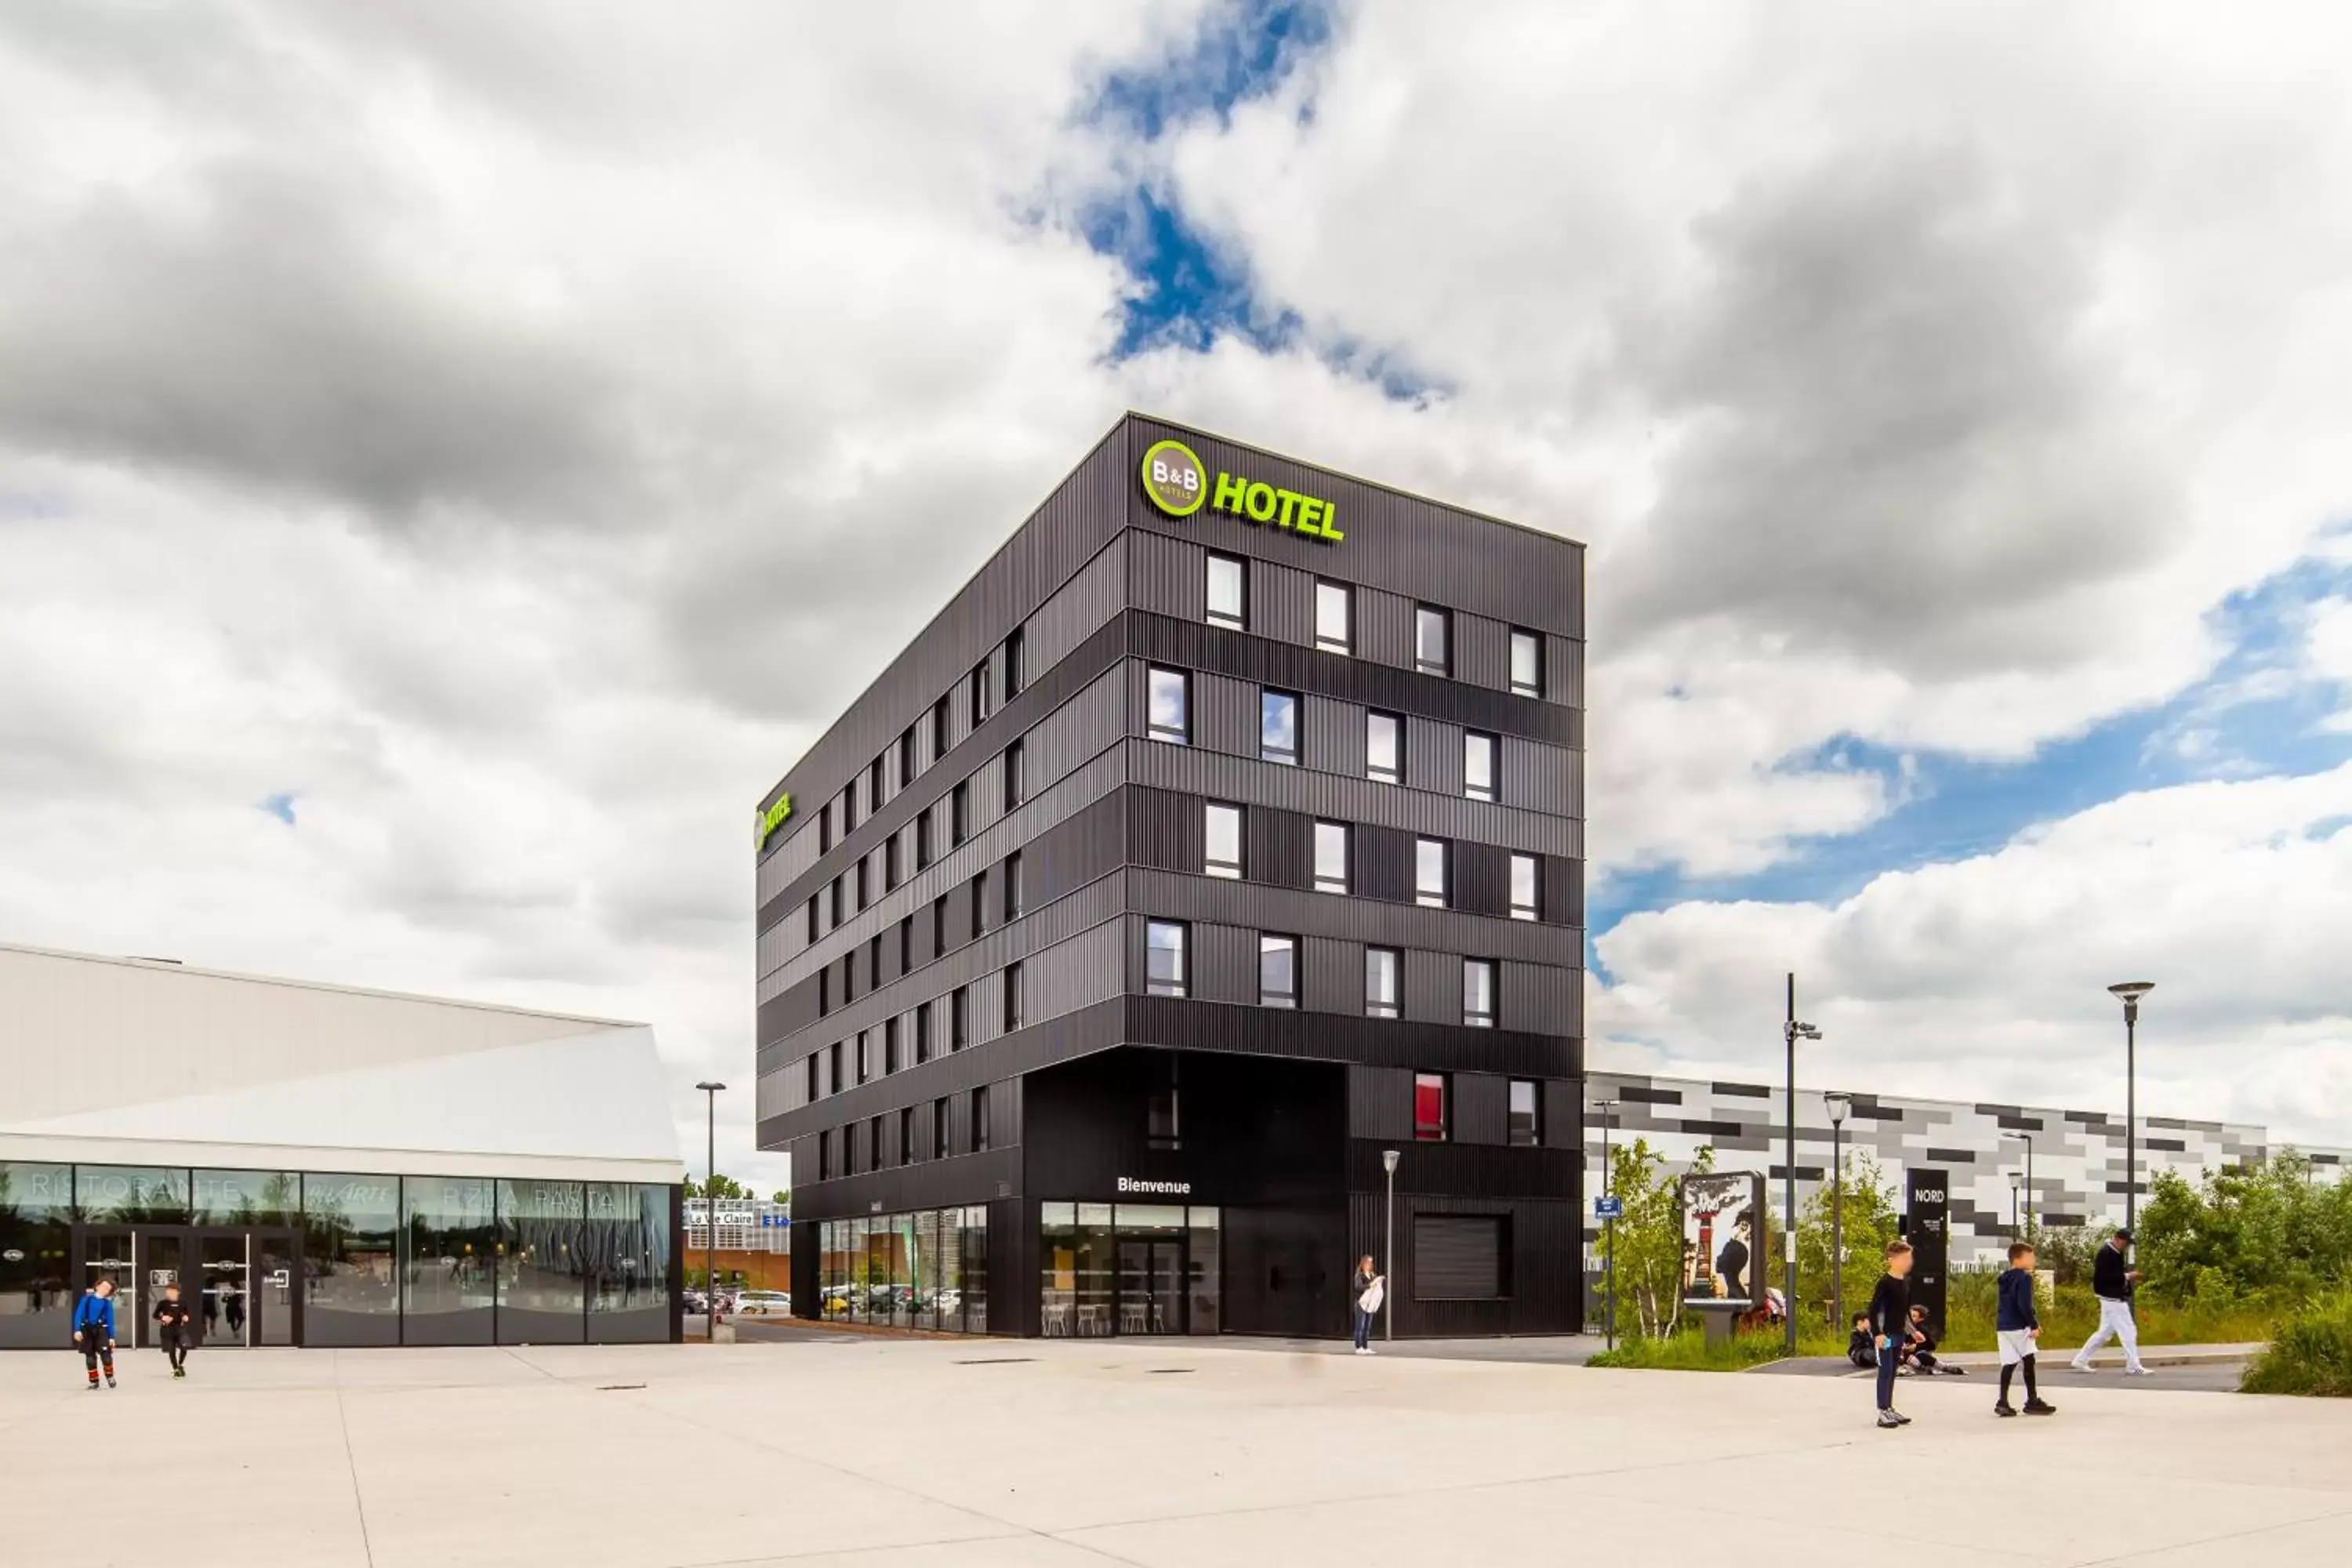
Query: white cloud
{"type": "Point", "coordinates": [1984, 978]}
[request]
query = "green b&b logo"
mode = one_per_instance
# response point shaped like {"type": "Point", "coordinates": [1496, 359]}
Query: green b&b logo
{"type": "Point", "coordinates": [1174, 479]}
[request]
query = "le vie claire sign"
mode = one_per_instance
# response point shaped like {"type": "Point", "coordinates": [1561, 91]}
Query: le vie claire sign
{"type": "Point", "coordinates": [1180, 484]}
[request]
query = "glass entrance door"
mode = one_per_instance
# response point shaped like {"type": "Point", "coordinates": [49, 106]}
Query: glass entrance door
{"type": "Point", "coordinates": [1151, 1285]}
{"type": "Point", "coordinates": [277, 1266]}
{"type": "Point", "coordinates": [162, 1261]}
{"type": "Point", "coordinates": [107, 1253]}
{"type": "Point", "coordinates": [225, 1312]}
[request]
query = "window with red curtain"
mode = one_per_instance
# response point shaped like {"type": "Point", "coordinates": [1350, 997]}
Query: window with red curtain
{"type": "Point", "coordinates": [1429, 1107]}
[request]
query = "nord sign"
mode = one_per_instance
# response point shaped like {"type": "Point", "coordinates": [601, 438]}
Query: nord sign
{"type": "Point", "coordinates": [1178, 484]}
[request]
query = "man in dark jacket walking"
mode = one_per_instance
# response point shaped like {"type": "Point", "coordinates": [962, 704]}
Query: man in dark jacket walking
{"type": "Point", "coordinates": [2112, 1278]}
{"type": "Point", "coordinates": [172, 1324]}
{"type": "Point", "coordinates": [93, 1330]}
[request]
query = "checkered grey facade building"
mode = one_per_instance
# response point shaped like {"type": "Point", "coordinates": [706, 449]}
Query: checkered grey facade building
{"type": "Point", "coordinates": [2078, 1155]}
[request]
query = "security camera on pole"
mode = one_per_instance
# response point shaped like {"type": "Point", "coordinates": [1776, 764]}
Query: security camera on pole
{"type": "Point", "coordinates": [1791, 1031]}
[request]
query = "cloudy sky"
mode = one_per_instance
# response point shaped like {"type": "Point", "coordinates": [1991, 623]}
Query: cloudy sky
{"type": "Point", "coordinates": [453, 459]}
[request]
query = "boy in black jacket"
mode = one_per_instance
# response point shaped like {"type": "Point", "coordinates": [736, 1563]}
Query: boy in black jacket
{"type": "Point", "coordinates": [2017, 1326]}
{"type": "Point", "coordinates": [1890, 1322]}
{"type": "Point", "coordinates": [171, 1317]}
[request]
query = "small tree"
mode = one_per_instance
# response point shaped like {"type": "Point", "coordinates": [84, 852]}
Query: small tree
{"type": "Point", "coordinates": [720, 1185]}
{"type": "Point", "coordinates": [784, 1198]}
{"type": "Point", "coordinates": [1869, 1223]}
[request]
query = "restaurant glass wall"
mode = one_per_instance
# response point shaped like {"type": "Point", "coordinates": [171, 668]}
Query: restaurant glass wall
{"type": "Point", "coordinates": [131, 1195]}
{"type": "Point", "coordinates": [448, 1281]}
{"type": "Point", "coordinates": [350, 1249]}
{"type": "Point", "coordinates": [259, 1198]}
{"type": "Point", "coordinates": [626, 1246]}
{"type": "Point", "coordinates": [37, 1292]}
{"type": "Point", "coordinates": [542, 1291]}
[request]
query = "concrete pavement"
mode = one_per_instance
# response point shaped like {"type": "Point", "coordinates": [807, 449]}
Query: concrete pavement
{"type": "Point", "coordinates": [893, 1454]}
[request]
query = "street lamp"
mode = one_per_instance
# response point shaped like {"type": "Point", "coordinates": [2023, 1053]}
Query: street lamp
{"type": "Point", "coordinates": [2130, 992]}
{"type": "Point", "coordinates": [2025, 1230]}
{"type": "Point", "coordinates": [1388, 1158]}
{"type": "Point", "coordinates": [1791, 1032]}
{"type": "Point", "coordinates": [711, 1214]}
{"type": "Point", "coordinates": [1839, 1106]}
{"type": "Point", "coordinates": [1607, 1168]}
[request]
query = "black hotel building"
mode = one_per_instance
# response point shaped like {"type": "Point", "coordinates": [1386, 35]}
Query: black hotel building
{"type": "Point", "coordinates": [1222, 835]}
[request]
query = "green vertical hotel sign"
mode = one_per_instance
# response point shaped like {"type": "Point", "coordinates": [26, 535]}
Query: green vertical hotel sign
{"type": "Point", "coordinates": [773, 819]}
{"type": "Point", "coordinates": [1180, 484]}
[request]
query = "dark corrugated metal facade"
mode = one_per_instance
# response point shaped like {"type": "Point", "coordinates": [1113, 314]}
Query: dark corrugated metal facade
{"type": "Point", "coordinates": [954, 921]}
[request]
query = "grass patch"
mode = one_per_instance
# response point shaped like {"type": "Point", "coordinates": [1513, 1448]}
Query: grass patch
{"type": "Point", "coordinates": [2310, 1354]}
{"type": "Point", "coordinates": [2073, 1317]}
{"type": "Point", "coordinates": [1689, 1351]}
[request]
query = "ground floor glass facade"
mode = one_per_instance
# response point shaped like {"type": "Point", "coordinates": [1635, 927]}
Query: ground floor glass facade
{"type": "Point", "coordinates": [1129, 1268]}
{"type": "Point", "coordinates": [337, 1259]}
{"type": "Point", "coordinates": [924, 1270]}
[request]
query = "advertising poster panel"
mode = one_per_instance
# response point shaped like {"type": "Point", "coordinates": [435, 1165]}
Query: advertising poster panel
{"type": "Point", "coordinates": [1723, 1218]}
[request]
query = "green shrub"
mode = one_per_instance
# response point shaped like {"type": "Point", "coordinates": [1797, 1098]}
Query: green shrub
{"type": "Point", "coordinates": [2310, 1352]}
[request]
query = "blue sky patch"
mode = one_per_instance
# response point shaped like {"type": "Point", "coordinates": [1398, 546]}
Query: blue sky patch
{"type": "Point", "coordinates": [280, 806]}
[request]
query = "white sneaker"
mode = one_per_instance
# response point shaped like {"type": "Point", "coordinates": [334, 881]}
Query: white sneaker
{"type": "Point", "coordinates": [2079, 1366]}
{"type": "Point", "coordinates": [2137, 1371]}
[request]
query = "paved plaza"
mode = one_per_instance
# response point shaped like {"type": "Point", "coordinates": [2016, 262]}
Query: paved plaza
{"type": "Point", "coordinates": [896, 1454]}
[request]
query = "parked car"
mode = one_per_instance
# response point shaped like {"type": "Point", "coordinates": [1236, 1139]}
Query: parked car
{"type": "Point", "coordinates": [695, 1303]}
{"type": "Point", "coordinates": [764, 1304]}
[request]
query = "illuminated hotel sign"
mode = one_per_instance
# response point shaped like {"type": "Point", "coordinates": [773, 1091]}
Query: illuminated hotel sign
{"type": "Point", "coordinates": [1180, 485]}
{"type": "Point", "coordinates": [773, 819]}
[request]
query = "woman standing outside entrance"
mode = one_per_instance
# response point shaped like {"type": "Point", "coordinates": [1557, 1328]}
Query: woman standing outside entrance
{"type": "Point", "coordinates": [1368, 1290]}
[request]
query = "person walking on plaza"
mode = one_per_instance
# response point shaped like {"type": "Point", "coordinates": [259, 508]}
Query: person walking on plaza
{"type": "Point", "coordinates": [173, 1321]}
{"type": "Point", "coordinates": [1366, 1291]}
{"type": "Point", "coordinates": [93, 1330]}
{"type": "Point", "coordinates": [1890, 1324]}
{"type": "Point", "coordinates": [2017, 1326]}
{"type": "Point", "coordinates": [2112, 1278]}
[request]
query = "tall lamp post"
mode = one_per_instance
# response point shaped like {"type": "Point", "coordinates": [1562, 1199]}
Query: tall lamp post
{"type": "Point", "coordinates": [1791, 1031]}
{"type": "Point", "coordinates": [2130, 992]}
{"type": "Point", "coordinates": [711, 1214]}
{"type": "Point", "coordinates": [2025, 1230]}
{"type": "Point", "coordinates": [1839, 1106]}
{"type": "Point", "coordinates": [1608, 1169]}
{"type": "Point", "coordinates": [1388, 1158]}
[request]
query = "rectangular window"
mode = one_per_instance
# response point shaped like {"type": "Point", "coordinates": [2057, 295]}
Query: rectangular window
{"type": "Point", "coordinates": [960, 814]}
{"type": "Point", "coordinates": [1277, 971]}
{"type": "Point", "coordinates": [824, 827]}
{"type": "Point", "coordinates": [848, 977]}
{"type": "Point", "coordinates": [1478, 993]}
{"type": "Point", "coordinates": [811, 1094]}
{"type": "Point", "coordinates": [939, 1128]}
{"type": "Point", "coordinates": [824, 1154]}
{"type": "Point", "coordinates": [1430, 881]}
{"type": "Point", "coordinates": [890, 872]}
{"type": "Point", "coordinates": [1277, 729]}
{"type": "Point", "coordinates": [1478, 766]}
{"type": "Point", "coordinates": [1432, 641]}
{"type": "Point", "coordinates": [1163, 1116]}
{"type": "Point", "coordinates": [907, 1135]}
{"type": "Point", "coordinates": [1429, 1097]}
{"type": "Point", "coordinates": [1525, 900]}
{"type": "Point", "coordinates": [1015, 895]}
{"type": "Point", "coordinates": [1165, 973]}
{"type": "Point", "coordinates": [890, 1062]}
{"type": "Point", "coordinates": [1014, 784]}
{"type": "Point", "coordinates": [980, 703]}
{"type": "Point", "coordinates": [812, 919]}
{"type": "Point", "coordinates": [874, 1142]}
{"type": "Point", "coordinates": [839, 1082]}
{"type": "Point", "coordinates": [1334, 618]}
{"type": "Point", "coordinates": [959, 1018]}
{"type": "Point", "coordinates": [923, 841]}
{"type": "Point", "coordinates": [980, 1129]}
{"type": "Point", "coordinates": [1384, 748]}
{"type": "Point", "coordinates": [939, 925]}
{"type": "Point", "coordinates": [1014, 676]}
{"type": "Point", "coordinates": [1527, 663]}
{"type": "Point", "coordinates": [1330, 856]}
{"type": "Point", "coordinates": [907, 756]}
{"type": "Point", "coordinates": [833, 896]}
{"type": "Point", "coordinates": [923, 1033]}
{"type": "Point", "coordinates": [1224, 841]}
{"type": "Point", "coordinates": [1014, 1001]}
{"type": "Point", "coordinates": [849, 1150]}
{"type": "Point", "coordinates": [1170, 707]}
{"type": "Point", "coordinates": [1228, 592]}
{"type": "Point", "coordinates": [865, 1055]}
{"type": "Point", "coordinates": [943, 735]}
{"type": "Point", "coordinates": [1383, 967]}
{"type": "Point", "coordinates": [863, 899]}
{"type": "Point", "coordinates": [978, 905]}
{"type": "Point", "coordinates": [1527, 1114]}
{"type": "Point", "coordinates": [824, 991]}
{"type": "Point", "coordinates": [906, 944]}
{"type": "Point", "coordinates": [874, 788]}
{"type": "Point", "coordinates": [848, 807]}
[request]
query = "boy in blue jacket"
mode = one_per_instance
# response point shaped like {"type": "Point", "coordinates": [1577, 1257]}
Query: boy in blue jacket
{"type": "Point", "coordinates": [93, 1330]}
{"type": "Point", "coordinates": [2017, 1327]}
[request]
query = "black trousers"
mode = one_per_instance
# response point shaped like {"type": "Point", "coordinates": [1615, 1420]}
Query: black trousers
{"type": "Point", "coordinates": [175, 1346]}
{"type": "Point", "coordinates": [1889, 1358]}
